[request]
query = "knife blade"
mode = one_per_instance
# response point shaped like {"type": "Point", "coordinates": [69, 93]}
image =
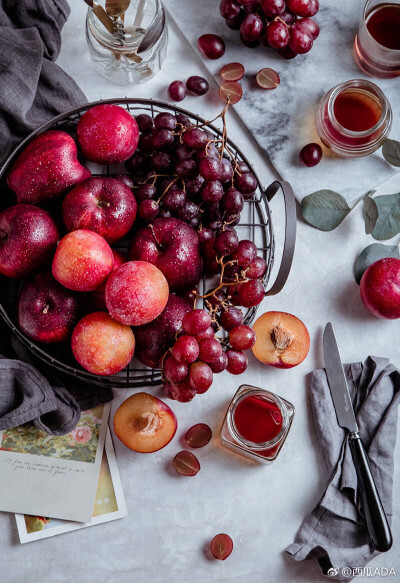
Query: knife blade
{"type": "Point", "coordinates": [377, 523]}
{"type": "Point", "coordinates": [337, 381]}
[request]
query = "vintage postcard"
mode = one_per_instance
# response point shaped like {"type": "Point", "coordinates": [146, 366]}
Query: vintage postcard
{"type": "Point", "coordinates": [53, 476]}
{"type": "Point", "coordinates": [109, 504]}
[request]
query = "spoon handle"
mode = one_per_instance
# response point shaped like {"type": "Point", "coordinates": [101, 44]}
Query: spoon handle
{"type": "Point", "coordinates": [140, 13]}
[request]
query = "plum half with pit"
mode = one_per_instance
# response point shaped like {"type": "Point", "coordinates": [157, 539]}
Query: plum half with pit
{"type": "Point", "coordinates": [144, 423]}
{"type": "Point", "coordinates": [47, 311]}
{"type": "Point", "coordinates": [101, 204]}
{"type": "Point", "coordinates": [47, 167]}
{"type": "Point", "coordinates": [173, 246]}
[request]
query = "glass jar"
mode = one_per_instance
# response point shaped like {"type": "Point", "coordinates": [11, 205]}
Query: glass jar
{"type": "Point", "coordinates": [115, 56]}
{"type": "Point", "coordinates": [380, 59]}
{"type": "Point", "coordinates": [347, 142]}
{"type": "Point", "coordinates": [247, 429]}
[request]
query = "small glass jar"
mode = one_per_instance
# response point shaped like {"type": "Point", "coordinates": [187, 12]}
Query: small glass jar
{"type": "Point", "coordinates": [115, 56]}
{"type": "Point", "coordinates": [265, 451]}
{"type": "Point", "coordinates": [347, 142]}
{"type": "Point", "coordinates": [371, 56]}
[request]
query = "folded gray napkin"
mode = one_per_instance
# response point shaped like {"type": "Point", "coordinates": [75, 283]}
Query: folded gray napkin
{"type": "Point", "coordinates": [335, 532]}
{"type": "Point", "coordinates": [33, 89]}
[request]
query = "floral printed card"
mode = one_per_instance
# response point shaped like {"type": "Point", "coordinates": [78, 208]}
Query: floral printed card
{"type": "Point", "coordinates": [109, 504]}
{"type": "Point", "coordinates": [53, 476]}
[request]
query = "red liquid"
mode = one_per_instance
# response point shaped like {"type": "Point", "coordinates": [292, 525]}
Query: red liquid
{"type": "Point", "coordinates": [257, 420]}
{"type": "Point", "coordinates": [357, 110]}
{"type": "Point", "coordinates": [383, 24]}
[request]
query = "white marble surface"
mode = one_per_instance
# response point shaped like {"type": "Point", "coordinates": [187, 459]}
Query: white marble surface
{"type": "Point", "coordinates": [282, 120]}
{"type": "Point", "coordinates": [172, 519]}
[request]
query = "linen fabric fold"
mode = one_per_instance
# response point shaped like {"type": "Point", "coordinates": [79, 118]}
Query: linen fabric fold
{"type": "Point", "coordinates": [335, 532]}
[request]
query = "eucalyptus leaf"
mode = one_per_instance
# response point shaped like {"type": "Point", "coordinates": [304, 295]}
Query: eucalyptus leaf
{"type": "Point", "coordinates": [370, 214]}
{"type": "Point", "coordinates": [391, 152]}
{"type": "Point", "coordinates": [388, 221]}
{"type": "Point", "coordinates": [371, 254]}
{"type": "Point", "coordinates": [324, 209]}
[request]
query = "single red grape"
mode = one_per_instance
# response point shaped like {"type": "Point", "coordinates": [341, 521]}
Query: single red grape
{"type": "Point", "coordinates": [309, 25]}
{"type": "Point", "coordinates": [229, 8]}
{"type": "Point", "coordinates": [200, 376]}
{"type": "Point", "coordinates": [209, 333]}
{"type": "Point", "coordinates": [300, 40]}
{"type": "Point", "coordinates": [211, 46]}
{"type": "Point", "coordinates": [177, 91]}
{"type": "Point", "coordinates": [246, 183]}
{"type": "Point", "coordinates": [220, 364]}
{"type": "Point", "coordinates": [251, 293]}
{"type": "Point", "coordinates": [227, 171]}
{"type": "Point", "coordinates": [173, 370]}
{"type": "Point", "coordinates": [311, 154]}
{"type": "Point", "coordinates": [251, 27]}
{"type": "Point", "coordinates": [256, 269]}
{"type": "Point", "coordinates": [231, 90]}
{"type": "Point", "coordinates": [186, 349]}
{"type": "Point", "coordinates": [237, 361]}
{"type": "Point", "coordinates": [210, 350]}
{"type": "Point", "coordinates": [197, 85]}
{"type": "Point", "coordinates": [303, 7]}
{"type": "Point", "coordinates": [145, 122]}
{"type": "Point", "coordinates": [221, 546]}
{"type": "Point", "coordinates": [165, 121]}
{"type": "Point", "coordinates": [186, 463]}
{"type": "Point", "coordinates": [148, 209]}
{"type": "Point", "coordinates": [210, 168]}
{"type": "Point", "coordinates": [272, 7]}
{"type": "Point", "coordinates": [195, 138]}
{"type": "Point", "coordinates": [267, 79]}
{"type": "Point", "coordinates": [231, 318]}
{"type": "Point", "coordinates": [198, 435]}
{"type": "Point", "coordinates": [196, 322]}
{"type": "Point", "coordinates": [242, 338]}
{"type": "Point", "coordinates": [226, 242]}
{"type": "Point", "coordinates": [212, 191]}
{"type": "Point", "coordinates": [278, 34]}
{"type": "Point", "coordinates": [245, 253]}
{"type": "Point", "coordinates": [182, 391]}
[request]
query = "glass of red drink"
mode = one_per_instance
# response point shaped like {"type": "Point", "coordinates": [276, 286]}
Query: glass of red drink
{"type": "Point", "coordinates": [377, 43]}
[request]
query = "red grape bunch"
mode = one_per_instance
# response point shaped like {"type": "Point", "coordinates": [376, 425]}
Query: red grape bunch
{"type": "Point", "coordinates": [184, 171]}
{"type": "Point", "coordinates": [283, 25]}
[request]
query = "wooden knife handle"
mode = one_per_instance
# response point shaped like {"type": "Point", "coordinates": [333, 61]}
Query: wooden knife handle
{"type": "Point", "coordinates": [377, 523]}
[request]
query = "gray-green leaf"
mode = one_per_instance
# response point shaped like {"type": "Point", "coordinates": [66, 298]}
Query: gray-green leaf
{"type": "Point", "coordinates": [324, 209]}
{"type": "Point", "coordinates": [371, 254]}
{"type": "Point", "coordinates": [388, 221]}
{"type": "Point", "coordinates": [370, 214]}
{"type": "Point", "coordinates": [391, 152]}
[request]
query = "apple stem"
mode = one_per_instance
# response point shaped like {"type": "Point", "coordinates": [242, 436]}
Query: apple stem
{"type": "Point", "coordinates": [160, 247]}
{"type": "Point", "coordinates": [45, 309]}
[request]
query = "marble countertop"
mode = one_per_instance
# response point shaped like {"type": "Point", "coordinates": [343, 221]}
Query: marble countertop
{"type": "Point", "coordinates": [172, 519]}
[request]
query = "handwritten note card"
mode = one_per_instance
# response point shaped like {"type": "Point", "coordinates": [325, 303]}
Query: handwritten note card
{"type": "Point", "coordinates": [53, 476]}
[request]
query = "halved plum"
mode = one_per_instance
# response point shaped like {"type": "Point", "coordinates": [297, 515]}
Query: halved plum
{"type": "Point", "coordinates": [144, 423]}
{"type": "Point", "coordinates": [282, 340]}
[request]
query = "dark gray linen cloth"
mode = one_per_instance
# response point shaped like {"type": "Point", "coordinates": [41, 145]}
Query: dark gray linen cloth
{"type": "Point", "coordinates": [33, 89]}
{"type": "Point", "coordinates": [335, 532]}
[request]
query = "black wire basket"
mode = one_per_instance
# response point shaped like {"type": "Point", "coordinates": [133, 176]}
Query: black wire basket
{"type": "Point", "coordinates": [255, 225]}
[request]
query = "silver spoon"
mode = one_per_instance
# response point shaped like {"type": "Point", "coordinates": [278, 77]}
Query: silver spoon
{"type": "Point", "coordinates": [153, 33]}
{"type": "Point", "coordinates": [102, 15]}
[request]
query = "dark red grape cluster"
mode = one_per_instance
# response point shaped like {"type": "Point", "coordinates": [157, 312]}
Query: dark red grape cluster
{"type": "Point", "coordinates": [184, 171]}
{"type": "Point", "coordinates": [179, 172]}
{"type": "Point", "coordinates": [197, 354]}
{"type": "Point", "coordinates": [283, 25]}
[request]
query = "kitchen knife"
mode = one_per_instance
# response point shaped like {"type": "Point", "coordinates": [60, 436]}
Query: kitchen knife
{"type": "Point", "coordinates": [377, 524]}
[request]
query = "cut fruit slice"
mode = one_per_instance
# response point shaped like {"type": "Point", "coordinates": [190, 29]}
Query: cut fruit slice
{"type": "Point", "coordinates": [232, 72]}
{"type": "Point", "coordinates": [232, 91]}
{"type": "Point", "coordinates": [268, 79]}
{"type": "Point", "coordinates": [198, 435]}
{"type": "Point", "coordinates": [282, 340]}
{"type": "Point", "coordinates": [186, 463]}
{"type": "Point", "coordinates": [144, 423]}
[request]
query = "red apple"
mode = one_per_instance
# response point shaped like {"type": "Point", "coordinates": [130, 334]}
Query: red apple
{"type": "Point", "coordinates": [99, 294]}
{"type": "Point", "coordinates": [47, 312]}
{"type": "Point", "coordinates": [154, 339]}
{"type": "Point", "coordinates": [173, 246]}
{"type": "Point", "coordinates": [144, 423]}
{"type": "Point", "coordinates": [282, 340]}
{"type": "Point", "coordinates": [28, 238]}
{"type": "Point", "coordinates": [83, 261]}
{"type": "Point", "coordinates": [136, 293]}
{"type": "Point", "coordinates": [101, 345]}
{"type": "Point", "coordinates": [107, 134]}
{"type": "Point", "coordinates": [380, 288]}
{"type": "Point", "coordinates": [104, 205]}
{"type": "Point", "coordinates": [48, 167]}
